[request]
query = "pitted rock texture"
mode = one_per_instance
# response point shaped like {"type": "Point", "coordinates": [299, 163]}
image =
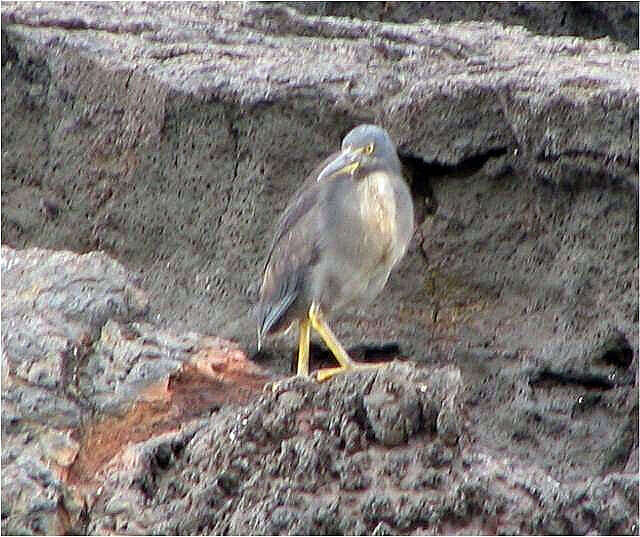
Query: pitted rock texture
{"type": "Point", "coordinates": [84, 374]}
{"type": "Point", "coordinates": [180, 434]}
{"type": "Point", "coordinates": [305, 459]}
{"type": "Point", "coordinates": [170, 137]}
{"type": "Point", "coordinates": [618, 20]}
{"type": "Point", "coordinates": [53, 305]}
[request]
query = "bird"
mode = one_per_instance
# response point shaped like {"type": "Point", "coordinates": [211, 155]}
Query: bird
{"type": "Point", "coordinates": [336, 243]}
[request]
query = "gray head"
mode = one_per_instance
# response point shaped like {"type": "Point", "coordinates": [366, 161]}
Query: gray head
{"type": "Point", "coordinates": [365, 149]}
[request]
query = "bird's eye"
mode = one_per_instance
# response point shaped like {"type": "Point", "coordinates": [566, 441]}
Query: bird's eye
{"type": "Point", "coordinates": [369, 149]}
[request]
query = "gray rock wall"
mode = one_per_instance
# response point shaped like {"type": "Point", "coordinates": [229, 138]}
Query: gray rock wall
{"type": "Point", "coordinates": [618, 20]}
{"type": "Point", "coordinates": [170, 137]}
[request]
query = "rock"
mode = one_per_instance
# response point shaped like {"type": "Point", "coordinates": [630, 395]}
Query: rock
{"type": "Point", "coordinates": [619, 20]}
{"type": "Point", "coordinates": [81, 288]}
{"type": "Point", "coordinates": [448, 423]}
{"type": "Point", "coordinates": [52, 304]}
{"type": "Point", "coordinates": [169, 137]}
{"type": "Point", "coordinates": [197, 120]}
{"type": "Point", "coordinates": [75, 343]}
{"type": "Point", "coordinates": [393, 412]}
{"type": "Point", "coordinates": [310, 483]}
{"type": "Point", "coordinates": [32, 498]}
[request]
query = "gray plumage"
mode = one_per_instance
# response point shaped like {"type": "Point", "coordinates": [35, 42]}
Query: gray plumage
{"type": "Point", "coordinates": [340, 235]}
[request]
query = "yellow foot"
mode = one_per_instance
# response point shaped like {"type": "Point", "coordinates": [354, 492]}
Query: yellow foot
{"type": "Point", "coordinates": [330, 372]}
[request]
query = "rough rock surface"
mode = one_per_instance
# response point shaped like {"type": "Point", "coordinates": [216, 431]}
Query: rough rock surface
{"type": "Point", "coordinates": [618, 20]}
{"type": "Point", "coordinates": [170, 136]}
{"type": "Point", "coordinates": [83, 375]}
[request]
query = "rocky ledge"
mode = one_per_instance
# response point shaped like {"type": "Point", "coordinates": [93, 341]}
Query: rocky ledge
{"type": "Point", "coordinates": [112, 425]}
{"type": "Point", "coordinates": [147, 151]}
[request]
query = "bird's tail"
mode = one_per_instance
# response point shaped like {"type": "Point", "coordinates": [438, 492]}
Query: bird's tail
{"type": "Point", "coordinates": [271, 316]}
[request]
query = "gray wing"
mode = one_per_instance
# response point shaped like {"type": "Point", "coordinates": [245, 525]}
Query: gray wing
{"type": "Point", "coordinates": [292, 256]}
{"type": "Point", "coordinates": [295, 250]}
{"type": "Point", "coordinates": [301, 203]}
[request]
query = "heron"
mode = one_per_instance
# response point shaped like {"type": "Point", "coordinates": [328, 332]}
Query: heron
{"type": "Point", "coordinates": [336, 243]}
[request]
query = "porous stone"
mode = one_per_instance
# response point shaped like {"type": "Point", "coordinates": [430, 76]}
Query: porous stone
{"type": "Point", "coordinates": [393, 411]}
{"type": "Point", "coordinates": [170, 137]}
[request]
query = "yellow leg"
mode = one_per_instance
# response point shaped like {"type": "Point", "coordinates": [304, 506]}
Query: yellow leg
{"type": "Point", "coordinates": [346, 363]}
{"type": "Point", "coordinates": [303, 348]}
